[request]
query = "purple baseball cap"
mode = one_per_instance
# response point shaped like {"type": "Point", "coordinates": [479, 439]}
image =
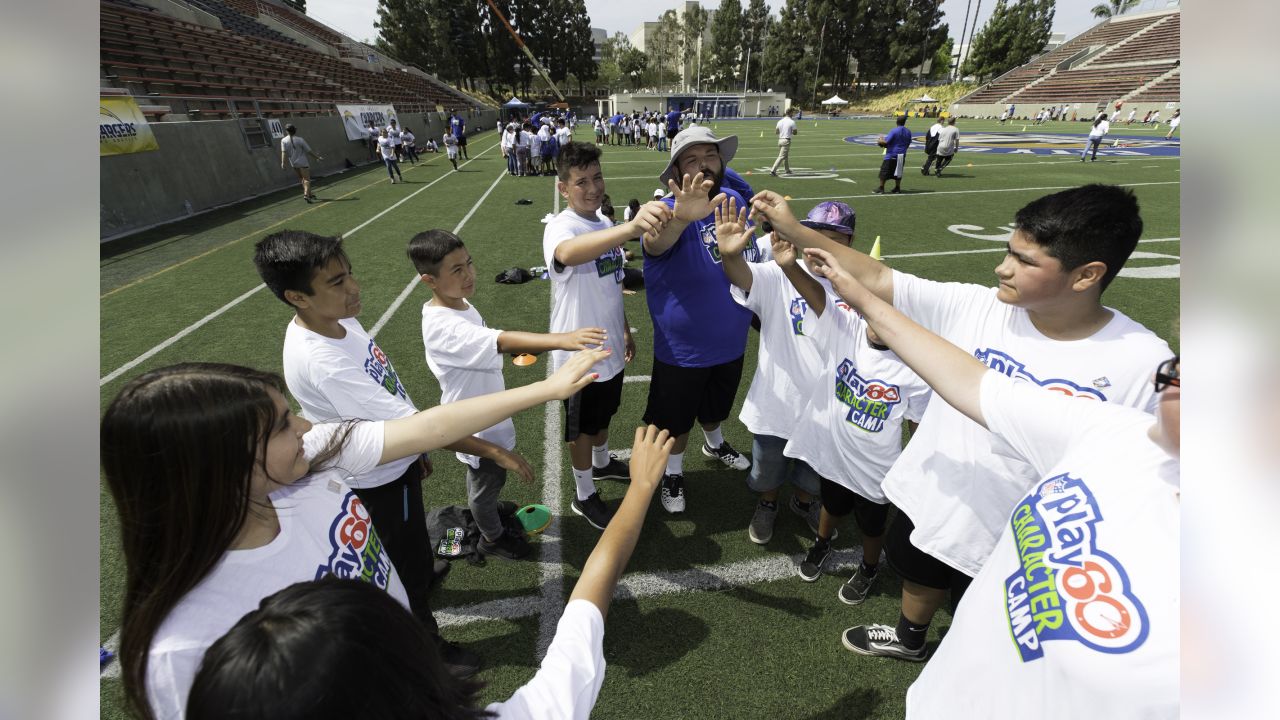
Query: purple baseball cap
{"type": "Point", "coordinates": [831, 215]}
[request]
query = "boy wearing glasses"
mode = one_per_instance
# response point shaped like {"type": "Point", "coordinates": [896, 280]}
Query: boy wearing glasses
{"type": "Point", "coordinates": [1045, 324]}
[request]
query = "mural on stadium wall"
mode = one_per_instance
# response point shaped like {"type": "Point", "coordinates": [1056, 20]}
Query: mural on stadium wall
{"type": "Point", "coordinates": [1034, 143]}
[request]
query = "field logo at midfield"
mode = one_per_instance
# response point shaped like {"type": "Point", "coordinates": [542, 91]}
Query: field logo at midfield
{"type": "Point", "coordinates": [1032, 143]}
{"type": "Point", "coordinates": [1004, 233]}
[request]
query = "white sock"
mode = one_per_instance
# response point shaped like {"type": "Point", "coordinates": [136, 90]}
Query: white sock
{"type": "Point", "coordinates": [586, 486]}
{"type": "Point", "coordinates": [675, 464]}
{"type": "Point", "coordinates": [714, 437]}
{"type": "Point", "coordinates": [600, 455]}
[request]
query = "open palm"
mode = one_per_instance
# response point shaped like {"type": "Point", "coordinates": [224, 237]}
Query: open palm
{"type": "Point", "coordinates": [732, 232]}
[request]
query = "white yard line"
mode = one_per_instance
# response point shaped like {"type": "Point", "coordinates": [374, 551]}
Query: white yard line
{"type": "Point", "coordinates": [1064, 161]}
{"type": "Point", "coordinates": [932, 193]}
{"type": "Point", "coordinates": [217, 313]}
{"type": "Point", "coordinates": [995, 250]}
{"type": "Point", "coordinates": [550, 601]}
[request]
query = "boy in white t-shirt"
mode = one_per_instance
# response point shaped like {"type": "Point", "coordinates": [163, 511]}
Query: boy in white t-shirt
{"type": "Point", "coordinates": [1044, 323]}
{"type": "Point", "coordinates": [451, 149]}
{"type": "Point", "coordinates": [466, 357]}
{"type": "Point", "coordinates": [787, 362]}
{"type": "Point", "coordinates": [583, 253]}
{"type": "Point", "coordinates": [1076, 613]}
{"type": "Point", "coordinates": [337, 372]}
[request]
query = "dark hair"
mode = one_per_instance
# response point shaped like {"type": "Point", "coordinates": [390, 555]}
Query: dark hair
{"type": "Point", "coordinates": [902, 120]}
{"type": "Point", "coordinates": [428, 249]}
{"type": "Point", "coordinates": [951, 120]}
{"type": "Point", "coordinates": [606, 207]}
{"type": "Point", "coordinates": [179, 447]}
{"type": "Point", "coordinates": [290, 128]}
{"type": "Point", "coordinates": [1101, 116]}
{"type": "Point", "coordinates": [294, 657]}
{"type": "Point", "coordinates": [635, 207]}
{"type": "Point", "coordinates": [576, 155]}
{"type": "Point", "coordinates": [287, 260]}
{"type": "Point", "coordinates": [1085, 224]}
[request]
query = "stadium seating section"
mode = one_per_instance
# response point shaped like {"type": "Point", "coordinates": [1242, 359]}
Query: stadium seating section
{"type": "Point", "coordinates": [247, 67]}
{"type": "Point", "coordinates": [1112, 60]}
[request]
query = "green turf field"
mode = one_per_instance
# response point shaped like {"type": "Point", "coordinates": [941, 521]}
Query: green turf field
{"type": "Point", "coordinates": [711, 625]}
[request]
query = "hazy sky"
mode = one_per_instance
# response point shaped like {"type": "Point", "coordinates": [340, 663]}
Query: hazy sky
{"type": "Point", "coordinates": [356, 17]}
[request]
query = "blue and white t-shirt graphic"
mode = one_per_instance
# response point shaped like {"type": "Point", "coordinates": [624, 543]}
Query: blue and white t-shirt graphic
{"type": "Point", "coordinates": [870, 401]}
{"type": "Point", "coordinates": [1005, 364]}
{"type": "Point", "coordinates": [1065, 587]}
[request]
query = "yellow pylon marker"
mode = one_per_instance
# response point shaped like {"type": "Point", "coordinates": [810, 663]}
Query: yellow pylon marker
{"type": "Point", "coordinates": [761, 133]}
{"type": "Point", "coordinates": [1024, 128]}
{"type": "Point", "coordinates": [875, 249]}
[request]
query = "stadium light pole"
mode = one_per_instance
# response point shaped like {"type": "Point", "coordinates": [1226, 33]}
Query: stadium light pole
{"type": "Point", "coordinates": [746, 72]}
{"type": "Point", "coordinates": [964, 27]}
{"type": "Point", "coordinates": [924, 43]}
{"type": "Point", "coordinates": [818, 65]}
{"type": "Point", "coordinates": [972, 32]}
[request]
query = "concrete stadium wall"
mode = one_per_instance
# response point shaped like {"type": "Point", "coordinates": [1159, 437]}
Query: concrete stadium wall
{"type": "Point", "coordinates": [1085, 112]}
{"type": "Point", "coordinates": [208, 164]}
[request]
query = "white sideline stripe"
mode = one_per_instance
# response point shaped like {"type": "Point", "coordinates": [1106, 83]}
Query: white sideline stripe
{"type": "Point", "coordinates": [404, 294]}
{"type": "Point", "coordinates": [971, 192]}
{"type": "Point", "coordinates": [644, 585]}
{"type": "Point", "coordinates": [112, 669]}
{"type": "Point", "coordinates": [635, 378]}
{"type": "Point", "coordinates": [213, 315]}
{"type": "Point", "coordinates": [1064, 161]}
{"type": "Point", "coordinates": [550, 600]}
{"type": "Point", "coordinates": [996, 250]}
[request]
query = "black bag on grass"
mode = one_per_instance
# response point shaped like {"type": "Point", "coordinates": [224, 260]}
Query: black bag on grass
{"type": "Point", "coordinates": [513, 276]}
{"type": "Point", "coordinates": [456, 535]}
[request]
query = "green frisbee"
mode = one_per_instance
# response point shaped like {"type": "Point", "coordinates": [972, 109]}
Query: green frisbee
{"type": "Point", "coordinates": [534, 518]}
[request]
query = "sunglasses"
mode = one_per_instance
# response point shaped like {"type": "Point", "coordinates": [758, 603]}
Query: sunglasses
{"type": "Point", "coordinates": [1167, 374]}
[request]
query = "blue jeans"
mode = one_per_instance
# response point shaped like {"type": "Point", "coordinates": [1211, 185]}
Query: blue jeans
{"type": "Point", "coordinates": [392, 164]}
{"type": "Point", "coordinates": [770, 469]}
{"type": "Point", "coordinates": [1091, 145]}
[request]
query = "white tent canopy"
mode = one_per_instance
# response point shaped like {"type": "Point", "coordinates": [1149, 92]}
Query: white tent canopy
{"type": "Point", "coordinates": [925, 98]}
{"type": "Point", "coordinates": [835, 100]}
{"type": "Point", "coordinates": [515, 102]}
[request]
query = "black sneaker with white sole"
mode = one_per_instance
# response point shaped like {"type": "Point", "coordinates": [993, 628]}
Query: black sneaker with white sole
{"type": "Point", "coordinates": [732, 459]}
{"type": "Point", "coordinates": [615, 470]}
{"type": "Point", "coordinates": [880, 640]}
{"type": "Point", "coordinates": [672, 490]}
{"type": "Point", "coordinates": [593, 510]}
{"type": "Point", "coordinates": [811, 567]}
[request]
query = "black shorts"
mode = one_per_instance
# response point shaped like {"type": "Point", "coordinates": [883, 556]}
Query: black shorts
{"type": "Point", "coordinates": [591, 408]}
{"type": "Point", "coordinates": [889, 169]}
{"type": "Point", "coordinates": [912, 563]}
{"type": "Point", "coordinates": [671, 134]}
{"type": "Point", "coordinates": [839, 501]}
{"type": "Point", "coordinates": [680, 395]}
{"type": "Point", "coordinates": [462, 139]}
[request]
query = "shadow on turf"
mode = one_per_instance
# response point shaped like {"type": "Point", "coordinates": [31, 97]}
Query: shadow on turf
{"type": "Point", "coordinates": [644, 642]}
{"type": "Point", "coordinates": [853, 705]}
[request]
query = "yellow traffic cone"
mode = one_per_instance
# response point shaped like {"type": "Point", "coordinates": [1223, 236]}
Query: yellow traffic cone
{"type": "Point", "coordinates": [875, 249]}
{"type": "Point", "coordinates": [761, 133]}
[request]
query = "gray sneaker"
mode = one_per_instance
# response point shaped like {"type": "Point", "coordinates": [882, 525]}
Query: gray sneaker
{"type": "Point", "coordinates": [811, 515]}
{"type": "Point", "coordinates": [731, 458]}
{"type": "Point", "coordinates": [880, 640]}
{"type": "Point", "coordinates": [761, 529]}
{"type": "Point", "coordinates": [855, 590]}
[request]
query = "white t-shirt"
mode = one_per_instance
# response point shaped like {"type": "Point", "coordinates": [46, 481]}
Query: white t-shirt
{"type": "Point", "coordinates": [948, 140]}
{"type": "Point", "coordinates": [346, 379]}
{"type": "Point", "coordinates": [296, 149]}
{"type": "Point", "coordinates": [935, 129]}
{"type": "Point", "coordinates": [786, 128]}
{"type": "Point", "coordinates": [394, 134]}
{"type": "Point", "coordinates": [535, 142]}
{"type": "Point", "coordinates": [586, 295]}
{"type": "Point", "coordinates": [1175, 121]}
{"type": "Point", "coordinates": [787, 359]}
{"type": "Point", "coordinates": [407, 137]}
{"type": "Point", "coordinates": [569, 679]}
{"type": "Point", "coordinates": [850, 429]}
{"type": "Point", "coordinates": [463, 355]}
{"type": "Point", "coordinates": [564, 135]}
{"type": "Point", "coordinates": [952, 480]}
{"type": "Point", "coordinates": [1100, 129]}
{"type": "Point", "coordinates": [508, 139]}
{"type": "Point", "coordinates": [1076, 613]}
{"type": "Point", "coordinates": [324, 529]}
{"type": "Point", "coordinates": [387, 148]}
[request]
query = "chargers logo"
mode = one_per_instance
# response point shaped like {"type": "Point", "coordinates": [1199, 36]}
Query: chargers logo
{"type": "Point", "coordinates": [379, 368]}
{"type": "Point", "coordinates": [1065, 587]}
{"type": "Point", "coordinates": [1002, 363]}
{"type": "Point", "coordinates": [356, 551]}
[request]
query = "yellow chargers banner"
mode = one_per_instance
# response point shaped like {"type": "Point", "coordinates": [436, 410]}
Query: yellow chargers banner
{"type": "Point", "coordinates": [122, 128]}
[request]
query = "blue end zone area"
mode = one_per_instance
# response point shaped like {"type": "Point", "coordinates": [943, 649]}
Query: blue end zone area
{"type": "Point", "coordinates": [1033, 143]}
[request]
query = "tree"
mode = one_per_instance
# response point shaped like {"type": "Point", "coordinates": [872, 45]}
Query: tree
{"type": "Point", "coordinates": [632, 64]}
{"type": "Point", "coordinates": [692, 27]}
{"type": "Point", "coordinates": [1112, 8]}
{"type": "Point", "coordinates": [941, 66]}
{"type": "Point", "coordinates": [787, 63]}
{"type": "Point", "coordinates": [727, 51]}
{"type": "Point", "coordinates": [919, 35]}
{"type": "Point", "coordinates": [402, 33]}
{"type": "Point", "coordinates": [873, 22]}
{"type": "Point", "coordinates": [663, 47]}
{"type": "Point", "coordinates": [1013, 36]}
{"type": "Point", "coordinates": [758, 23]}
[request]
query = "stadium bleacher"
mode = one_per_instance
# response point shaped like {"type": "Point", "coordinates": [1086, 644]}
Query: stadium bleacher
{"type": "Point", "coordinates": [1113, 59]}
{"type": "Point", "coordinates": [246, 67]}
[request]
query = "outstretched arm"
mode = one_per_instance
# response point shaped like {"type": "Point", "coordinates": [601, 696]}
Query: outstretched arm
{"type": "Point", "coordinates": [871, 274]}
{"type": "Point", "coordinates": [506, 459]}
{"type": "Point", "coordinates": [613, 550]}
{"type": "Point", "coordinates": [648, 223]}
{"type": "Point", "coordinates": [515, 341]}
{"type": "Point", "coordinates": [446, 424]}
{"type": "Point", "coordinates": [784, 254]}
{"type": "Point", "coordinates": [951, 372]}
{"type": "Point", "coordinates": [693, 203]}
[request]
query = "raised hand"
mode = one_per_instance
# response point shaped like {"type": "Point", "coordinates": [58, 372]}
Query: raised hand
{"type": "Point", "coordinates": [575, 374]}
{"type": "Point", "coordinates": [584, 338]}
{"type": "Point", "coordinates": [693, 201]}
{"type": "Point", "coordinates": [823, 264]}
{"type": "Point", "coordinates": [732, 233]}
{"type": "Point", "coordinates": [784, 253]}
{"type": "Point", "coordinates": [649, 456]}
{"type": "Point", "coordinates": [649, 221]}
{"type": "Point", "coordinates": [774, 208]}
